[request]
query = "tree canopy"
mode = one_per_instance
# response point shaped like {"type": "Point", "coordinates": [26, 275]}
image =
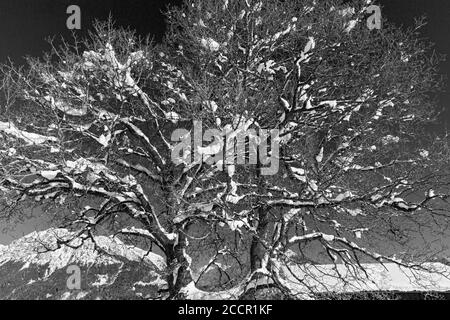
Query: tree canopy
{"type": "Point", "coordinates": [334, 115]}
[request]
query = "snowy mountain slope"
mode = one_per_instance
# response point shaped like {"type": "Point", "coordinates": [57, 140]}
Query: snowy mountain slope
{"type": "Point", "coordinates": [28, 270]}
{"type": "Point", "coordinates": [377, 277]}
{"type": "Point", "coordinates": [308, 281]}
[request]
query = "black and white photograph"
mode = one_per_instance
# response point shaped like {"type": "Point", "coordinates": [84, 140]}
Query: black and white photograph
{"type": "Point", "coordinates": [244, 151]}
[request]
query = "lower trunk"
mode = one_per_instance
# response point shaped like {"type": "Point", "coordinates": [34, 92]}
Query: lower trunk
{"type": "Point", "coordinates": [179, 274]}
{"type": "Point", "coordinates": [257, 249]}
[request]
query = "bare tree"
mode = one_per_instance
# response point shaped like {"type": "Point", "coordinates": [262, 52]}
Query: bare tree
{"type": "Point", "coordinates": [320, 149]}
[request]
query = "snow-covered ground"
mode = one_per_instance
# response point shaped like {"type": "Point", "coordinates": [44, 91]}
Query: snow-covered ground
{"type": "Point", "coordinates": [28, 270]}
{"type": "Point", "coordinates": [26, 263]}
{"type": "Point", "coordinates": [373, 277]}
{"type": "Point", "coordinates": [40, 248]}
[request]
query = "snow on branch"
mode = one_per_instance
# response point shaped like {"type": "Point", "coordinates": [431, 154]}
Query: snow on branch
{"type": "Point", "coordinates": [29, 137]}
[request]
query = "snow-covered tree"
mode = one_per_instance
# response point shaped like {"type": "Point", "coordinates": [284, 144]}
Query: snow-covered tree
{"type": "Point", "coordinates": [108, 128]}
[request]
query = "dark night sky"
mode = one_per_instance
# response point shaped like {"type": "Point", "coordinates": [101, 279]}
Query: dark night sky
{"type": "Point", "coordinates": [25, 24]}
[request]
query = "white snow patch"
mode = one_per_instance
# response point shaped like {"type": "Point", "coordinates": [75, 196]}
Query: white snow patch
{"type": "Point", "coordinates": [424, 153]}
{"type": "Point", "coordinates": [29, 137]}
{"type": "Point", "coordinates": [210, 44]}
{"type": "Point", "coordinates": [65, 295]}
{"type": "Point", "coordinates": [193, 293]}
{"type": "Point", "coordinates": [386, 277]}
{"type": "Point", "coordinates": [33, 249]}
{"type": "Point", "coordinates": [319, 157]}
{"type": "Point", "coordinates": [81, 295]}
{"type": "Point", "coordinates": [355, 212]}
{"type": "Point", "coordinates": [389, 139]}
{"type": "Point", "coordinates": [102, 279]}
{"type": "Point", "coordinates": [50, 175]}
{"type": "Point", "coordinates": [351, 25]}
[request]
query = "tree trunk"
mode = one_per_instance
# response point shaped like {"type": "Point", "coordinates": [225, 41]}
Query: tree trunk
{"type": "Point", "coordinates": [257, 249]}
{"type": "Point", "coordinates": [179, 274]}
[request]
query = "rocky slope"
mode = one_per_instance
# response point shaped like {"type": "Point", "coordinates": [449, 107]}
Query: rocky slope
{"type": "Point", "coordinates": [33, 267]}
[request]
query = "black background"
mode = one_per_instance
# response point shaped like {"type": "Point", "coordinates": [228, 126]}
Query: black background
{"type": "Point", "coordinates": [26, 24]}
